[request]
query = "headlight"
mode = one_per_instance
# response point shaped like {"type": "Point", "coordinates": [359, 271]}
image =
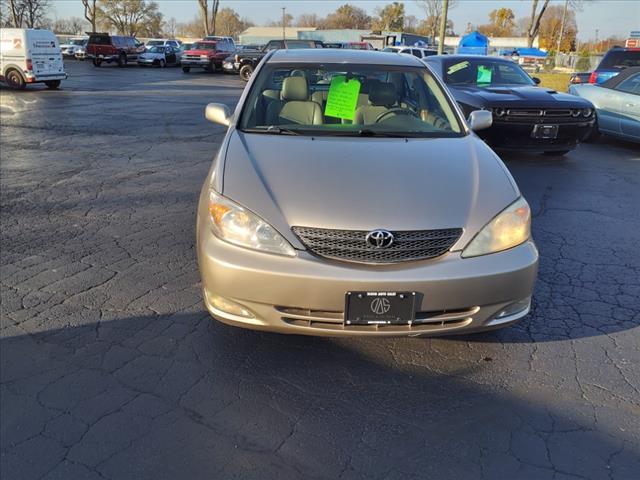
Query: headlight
{"type": "Point", "coordinates": [586, 112]}
{"type": "Point", "coordinates": [237, 225]}
{"type": "Point", "coordinates": [203, 57]}
{"type": "Point", "coordinates": [509, 228]}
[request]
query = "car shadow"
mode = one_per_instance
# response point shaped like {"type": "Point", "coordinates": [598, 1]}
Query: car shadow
{"type": "Point", "coordinates": [181, 396]}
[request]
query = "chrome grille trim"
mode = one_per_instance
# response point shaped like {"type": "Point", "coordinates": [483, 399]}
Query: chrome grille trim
{"type": "Point", "coordinates": [350, 245]}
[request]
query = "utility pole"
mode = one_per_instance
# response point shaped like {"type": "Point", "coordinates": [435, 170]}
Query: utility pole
{"type": "Point", "coordinates": [443, 26]}
{"type": "Point", "coordinates": [564, 19]}
{"type": "Point", "coordinates": [283, 23]}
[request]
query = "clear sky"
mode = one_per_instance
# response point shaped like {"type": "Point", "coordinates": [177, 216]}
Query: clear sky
{"type": "Point", "coordinates": [610, 17]}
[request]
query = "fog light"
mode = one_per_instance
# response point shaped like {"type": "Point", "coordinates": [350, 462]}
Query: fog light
{"type": "Point", "coordinates": [228, 306]}
{"type": "Point", "coordinates": [514, 308]}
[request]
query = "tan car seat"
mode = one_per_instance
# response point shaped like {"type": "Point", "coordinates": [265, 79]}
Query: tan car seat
{"type": "Point", "coordinates": [295, 106]}
{"type": "Point", "coordinates": [382, 96]}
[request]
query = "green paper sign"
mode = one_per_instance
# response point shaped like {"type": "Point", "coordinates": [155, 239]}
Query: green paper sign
{"type": "Point", "coordinates": [484, 74]}
{"type": "Point", "coordinates": [342, 99]}
{"type": "Point", "coordinates": [457, 66]}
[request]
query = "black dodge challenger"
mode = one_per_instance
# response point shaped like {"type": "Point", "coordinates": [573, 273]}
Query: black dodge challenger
{"type": "Point", "coordinates": [525, 115]}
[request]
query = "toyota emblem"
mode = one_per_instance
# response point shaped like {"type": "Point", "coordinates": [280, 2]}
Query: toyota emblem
{"type": "Point", "coordinates": [379, 238]}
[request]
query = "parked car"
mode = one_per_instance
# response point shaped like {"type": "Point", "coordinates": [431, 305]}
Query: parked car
{"type": "Point", "coordinates": [207, 54]}
{"type": "Point", "coordinates": [228, 41]}
{"type": "Point", "coordinates": [617, 103]}
{"type": "Point", "coordinates": [103, 47]}
{"type": "Point", "coordinates": [70, 48]}
{"type": "Point", "coordinates": [81, 50]}
{"type": "Point", "coordinates": [525, 115]}
{"type": "Point", "coordinates": [160, 56]}
{"type": "Point", "coordinates": [162, 43]}
{"type": "Point", "coordinates": [419, 52]}
{"type": "Point", "coordinates": [248, 61]}
{"type": "Point", "coordinates": [350, 197]}
{"type": "Point", "coordinates": [350, 45]}
{"type": "Point", "coordinates": [30, 56]}
{"type": "Point", "coordinates": [613, 62]}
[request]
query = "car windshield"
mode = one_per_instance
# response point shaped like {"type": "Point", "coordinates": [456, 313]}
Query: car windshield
{"type": "Point", "coordinates": [358, 100]}
{"type": "Point", "coordinates": [484, 73]}
{"type": "Point", "coordinates": [204, 46]}
{"type": "Point", "coordinates": [77, 42]}
{"type": "Point", "coordinates": [621, 59]}
{"type": "Point", "coordinates": [151, 43]}
{"type": "Point", "coordinates": [156, 50]}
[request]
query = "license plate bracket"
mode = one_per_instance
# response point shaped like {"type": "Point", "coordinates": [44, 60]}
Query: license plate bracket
{"type": "Point", "coordinates": [379, 308]}
{"type": "Point", "coordinates": [545, 131]}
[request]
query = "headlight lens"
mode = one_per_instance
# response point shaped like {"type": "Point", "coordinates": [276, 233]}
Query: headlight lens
{"type": "Point", "coordinates": [237, 225]}
{"type": "Point", "coordinates": [586, 112]}
{"type": "Point", "coordinates": [509, 228]}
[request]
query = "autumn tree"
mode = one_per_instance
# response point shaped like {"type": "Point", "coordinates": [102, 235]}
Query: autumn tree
{"type": "Point", "coordinates": [433, 10]}
{"type": "Point", "coordinates": [501, 23]}
{"type": "Point", "coordinates": [533, 27]}
{"type": "Point", "coordinates": [208, 15]}
{"type": "Point", "coordinates": [229, 23]}
{"type": "Point", "coordinates": [390, 17]}
{"type": "Point", "coordinates": [287, 20]}
{"type": "Point", "coordinates": [550, 27]}
{"type": "Point", "coordinates": [308, 20]}
{"type": "Point", "coordinates": [348, 16]}
{"type": "Point", "coordinates": [90, 10]}
{"type": "Point", "coordinates": [130, 17]}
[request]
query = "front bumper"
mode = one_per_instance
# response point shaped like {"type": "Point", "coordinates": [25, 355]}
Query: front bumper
{"type": "Point", "coordinates": [195, 63]}
{"type": "Point", "coordinates": [306, 294]}
{"type": "Point", "coordinates": [518, 136]}
{"type": "Point", "coordinates": [231, 66]}
{"type": "Point", "coordinates": [148, 61]}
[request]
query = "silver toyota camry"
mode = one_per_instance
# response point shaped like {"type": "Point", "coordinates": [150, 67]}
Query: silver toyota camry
{"type": "Point", "coordinates": [350, 197]}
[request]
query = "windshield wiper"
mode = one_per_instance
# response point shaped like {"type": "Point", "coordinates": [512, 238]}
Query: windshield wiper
{"type": "Point", "coordinates": [273, 130]}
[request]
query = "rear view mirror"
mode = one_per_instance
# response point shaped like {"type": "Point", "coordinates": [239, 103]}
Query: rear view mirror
{"type": "Point", "coordinates": [480, 119]}
{"type": "Point", "coordinates": [536, 80]}
{"type": "Point", "coordinates": [218, 113]}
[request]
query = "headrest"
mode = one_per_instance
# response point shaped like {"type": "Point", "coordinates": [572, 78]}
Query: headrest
{"type": "Point", "coordinates": [382, 94]}
{"type": "Point", "coordinates": [295, 88]}
{"type": "Point", "coordinates": [297, 73]}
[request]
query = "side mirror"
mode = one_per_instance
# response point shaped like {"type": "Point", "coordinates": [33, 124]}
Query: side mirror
{"type": "Point", "coordinates": [480, 119]}
{"type": "Point", "coordinates": [218, 113]}
{"type": "Point", "coordinates": [536, 80]}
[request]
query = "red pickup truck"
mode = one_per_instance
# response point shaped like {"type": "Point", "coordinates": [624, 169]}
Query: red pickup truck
{"type": "Point", "coordinates": [207, 54]}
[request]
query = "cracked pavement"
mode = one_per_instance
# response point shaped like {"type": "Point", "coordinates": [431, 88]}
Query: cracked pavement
{"type": "Point", "coordinates": [112, 369]}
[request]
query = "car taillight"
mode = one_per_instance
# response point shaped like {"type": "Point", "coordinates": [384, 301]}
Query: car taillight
{"type": "Point", "coordinates": [593, 77]}
{"type": "Point", "coordinates": [29, 64]}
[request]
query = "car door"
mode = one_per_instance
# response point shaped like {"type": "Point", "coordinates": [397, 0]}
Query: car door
{"type": "Point", "coordinates": [170, 55]}
{"type": "Point", "coordinates": [629, 91]}
{"type": "Point", "coordinates": [608, 103]}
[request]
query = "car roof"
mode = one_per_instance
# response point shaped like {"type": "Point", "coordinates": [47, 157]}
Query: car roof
{"type": "Point", "coordinates": [333, 55]}
{"type": "Point", "coordinates": [468, 57]}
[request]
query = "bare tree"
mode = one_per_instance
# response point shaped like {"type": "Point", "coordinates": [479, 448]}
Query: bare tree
{"type": "Point", "coordinates": [90, 12]}
{"type": "Point", "coordinates": [209, 18]}
{"type": "Point", "coordinates": [308, 20]}
{"type": "Point", "coordinates": [35, 12]}
{"type": "Point", "coordinates": [16, 10]}
{"type": "Point", "coordinates": [133, 17]}
{"type": "Point", "coordinates": [534, 21]}
{"type": "Point", "coordinates": [171, 27]}
{"type": "Point", "coordinates": [433, 11]}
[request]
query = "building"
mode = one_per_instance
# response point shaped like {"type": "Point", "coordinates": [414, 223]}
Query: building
{"type": "Point", "coordinates": [261, 35]}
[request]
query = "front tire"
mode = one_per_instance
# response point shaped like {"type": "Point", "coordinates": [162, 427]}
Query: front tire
{"type": "Point", "coordinates": [594, 134]}
{"type": "Point", "coordinates": [186, 69]}
{"type": "Point", "coordinates": [162, 64]}
{"type": "Point", "coordinates": [556, 153]}
{"type": "Point", "coordinates": [122, 60]}
{"type": "Point", "coordinates": [52, 84]}
{"type": "Point", "coordinates": [96, 62]}
{"type": "Point", "coordinates": [245, 72]}
{"type": "Point", "coordinates": [15, 80]}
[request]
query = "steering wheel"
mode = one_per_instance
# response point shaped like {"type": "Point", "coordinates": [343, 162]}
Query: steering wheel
{"type": "Point", "coordinates": [397, 111]}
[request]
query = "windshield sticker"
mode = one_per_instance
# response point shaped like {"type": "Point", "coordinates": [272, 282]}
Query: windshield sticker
{"type": "Point", "coordinates": [484, 74]}
{"type": "Point", "coordinates": [456, 67]}
{"type": "Point", "coordinates": [342, 99]}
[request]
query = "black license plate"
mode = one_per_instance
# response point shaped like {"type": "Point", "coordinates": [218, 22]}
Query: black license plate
{"type": "Point", "coordinates": [545, 131]}
{"type": "Point", "coordinates": [379, 308]}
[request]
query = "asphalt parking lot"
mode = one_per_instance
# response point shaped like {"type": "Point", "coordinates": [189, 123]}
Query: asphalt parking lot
{"type": "Point", "coordinates": [112, 369]}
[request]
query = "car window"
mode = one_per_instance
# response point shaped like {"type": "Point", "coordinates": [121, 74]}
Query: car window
{"type": "Point", "coordinates": [339, 100]}
{"type": "Point", "coordinates": [204, 46]}
{"type": "Point", "coordinates": [484, 73]}
{"type": "Point", "coordinates": [630, 85]}
{"type": "Point", "coordinates": [620, 59]}
{"type": "Point", "coordinates": [416, 52]}
{"type": "Point", "coordinates": [405, 50]}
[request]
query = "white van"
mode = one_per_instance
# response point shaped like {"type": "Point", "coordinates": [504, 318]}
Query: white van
{"type": "Point", "coordinates": [30, 56]}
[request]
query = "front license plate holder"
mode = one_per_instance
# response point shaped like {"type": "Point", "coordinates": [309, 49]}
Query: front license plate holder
{"type": "Point", "coordinates": [379, 308]}
{"type": "Point", "coordinates": [545, 131]}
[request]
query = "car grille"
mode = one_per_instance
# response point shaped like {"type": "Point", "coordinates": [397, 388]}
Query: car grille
{"type": "Point", "coordinates": [538, 114]}
{"type": "Point", "coordinates": [350, 245]}
{"type": "Point", "coordinates": [191, 57]}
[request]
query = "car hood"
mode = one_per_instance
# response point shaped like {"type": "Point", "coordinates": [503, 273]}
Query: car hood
{"type": "Point", "coordinates": [501, 95]}
{"type": "Point", "coordinates": [150, 55]}
{"type": "Point", "coordinates": [198, 52]}
{"type": "Point", "coordinates": [364, 183]}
